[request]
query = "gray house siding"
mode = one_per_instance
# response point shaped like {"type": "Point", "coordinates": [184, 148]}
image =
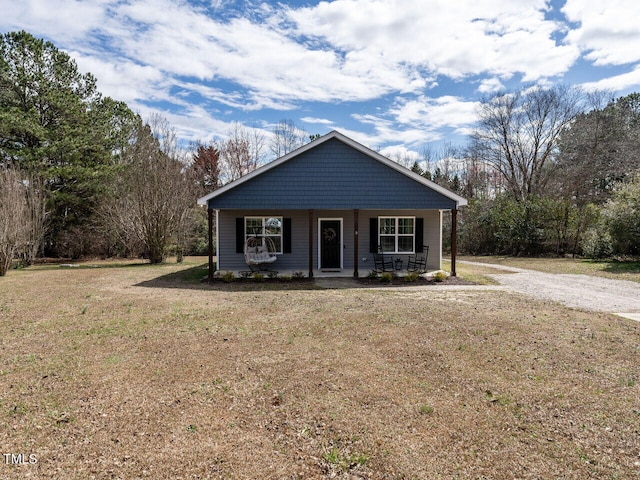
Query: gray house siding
{"type": "Point", "coordinates": [298, 259]}
{"type": "Point", "coordinates": [228, 259]}
{"type": "Point", "coordinates": [349, 179]}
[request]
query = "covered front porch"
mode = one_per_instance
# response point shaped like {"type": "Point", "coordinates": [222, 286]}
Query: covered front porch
{"type": "Point", "coordinates": [333, 243]}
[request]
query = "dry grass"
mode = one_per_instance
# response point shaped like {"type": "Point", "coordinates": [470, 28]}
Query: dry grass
{"type": "Point", "coordinates": [618, 270]}
{"type": "Point", "coordinates": [475, 273]}
{"type": "Point", "coordinates": [140, 372]}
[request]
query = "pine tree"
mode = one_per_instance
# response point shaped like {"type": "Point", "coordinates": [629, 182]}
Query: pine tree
{"type": "Point", "coordinates": [56, 126]}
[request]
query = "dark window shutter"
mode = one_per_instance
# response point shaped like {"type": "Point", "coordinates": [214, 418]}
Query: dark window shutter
{"type": "Point", "coordinates": [373, 235]}
{"type": "Point", "coordinates": [419, 235]}
{"type": "Point", "coordinates": [286, 235]}
{"type": "Point", "coordinates": [240, 235]}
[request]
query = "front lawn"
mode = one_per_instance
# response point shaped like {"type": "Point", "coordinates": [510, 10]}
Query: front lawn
{"type": "Point", "coordinates": [143, 372]}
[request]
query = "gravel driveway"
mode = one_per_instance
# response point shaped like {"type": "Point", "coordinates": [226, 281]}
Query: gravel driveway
{"type": "Point", "coordinates": [580, 291]}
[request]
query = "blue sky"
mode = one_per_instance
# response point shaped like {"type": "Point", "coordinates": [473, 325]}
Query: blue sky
{"type": "Point", "coordinates": [395, 75]}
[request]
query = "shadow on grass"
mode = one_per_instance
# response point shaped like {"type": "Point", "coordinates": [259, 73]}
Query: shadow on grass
{"type": "Point", "coordinates": [619, 266]}
{"type": "Point", "coordinates": [89, 266]}
{"type": "Point", "coordinates": [195, 278]}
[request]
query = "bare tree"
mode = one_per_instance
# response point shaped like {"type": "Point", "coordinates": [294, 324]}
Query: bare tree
{"type": "Point", "coordinates": [444, 158]}
{"type": "Point", "coordinates": [13, 214]}
{"type": "Point", "coordinates": [35, 204]}
{"type": "Point", "coordinates": [287, 137]}
{"type": "Point", "coordinates": [257, 143]}
{"type": "Point", "coordinates": [241, 152]}
{"type": "Point", "coordinates": [151, 192]}
{"type": "Point", "coordinates": [442, 165]}
{"type": "Point", "coordinates": [480, 179]}
{"type": "Point", "coordinates": [403, 158]}
{"type": "Point", "coordinates": [518, 133]}
{"type": "Point", "coordinates": [119, 220]}
{"type": "Point", "coordinates": [22, 217]}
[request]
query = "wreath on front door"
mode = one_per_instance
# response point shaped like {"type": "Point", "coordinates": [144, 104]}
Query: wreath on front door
{"type": "Point", "coordinates": [330, 234]}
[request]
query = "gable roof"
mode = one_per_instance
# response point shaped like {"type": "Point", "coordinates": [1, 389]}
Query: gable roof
{"type": "Point", "coordinates": [326, 171]}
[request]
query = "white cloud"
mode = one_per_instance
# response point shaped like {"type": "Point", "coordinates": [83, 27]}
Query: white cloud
{"type": "Point", "coordinates": [197, 58]}
{"type": "Point", "coordinates": [190, 89]}
{"type": "Point", "coordinates": [434, 113]}
{"type": "Point", "coordinates": [386, 131]}
{"type": "Point", "coordinates": [609, 31]}
{"type": "Point", "coordinates": [197, 124]}
{"type": "Point", "coordinates": [276, 69]}
{"type": "Point", "coordinates": [401, 154]}
{"type": "Point", "coordinates": [455, 39]}
{"type": "Point", "coordinates": [346, 50]}
{"type": "Point", "coordinates": [317, 121]}
{"type": "Point", "coordinates": [59, 19]}
{"type": "Point", "coordinates": [125, 80]}
{"type": "Point", "coordinates": [490, 85]}
{"type": "Point", "coordinates": [616, 83]}
{"type": "Point", "coordinates": [420, 120]}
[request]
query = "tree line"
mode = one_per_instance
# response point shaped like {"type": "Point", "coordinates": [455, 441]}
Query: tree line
{"type": "Point", "coordinates": [547, 170]}
{"type": "Point", "coordinates": [82, 174]}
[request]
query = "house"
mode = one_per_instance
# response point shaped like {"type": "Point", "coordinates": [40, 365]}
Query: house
{"type": "Point", "coordinates": [329, 206]}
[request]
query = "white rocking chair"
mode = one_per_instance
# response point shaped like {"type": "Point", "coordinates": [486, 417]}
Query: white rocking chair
{"type": "Point", "coordinates": [259, 252]}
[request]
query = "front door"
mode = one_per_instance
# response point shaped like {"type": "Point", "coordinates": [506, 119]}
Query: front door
{"type": "Point", "coordinates": [330, 244]}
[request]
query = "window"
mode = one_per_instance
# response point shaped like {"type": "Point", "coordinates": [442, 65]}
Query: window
{"type": "Point", "coordinates": [262, 227]}
{"type": "Point", "coordinates": [396, 234]}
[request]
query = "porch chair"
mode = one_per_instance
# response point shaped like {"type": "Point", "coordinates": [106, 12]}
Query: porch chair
{"type": "Point", "coordinates": [418, 262]}
{"type": "Point", "coordinates": [382, 262]}
{"type": "Point", "coordinates": [259, 252]}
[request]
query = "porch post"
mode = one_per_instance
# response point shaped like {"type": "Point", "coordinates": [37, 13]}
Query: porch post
{"type": "Point", "coordinates": [310, 243]}
{"type": "Point", "coordinates": [210, 218]}
{"type": "Point", "coordinates": [355, 243]}
{"type": "Point", "coordinates": [454, 224]}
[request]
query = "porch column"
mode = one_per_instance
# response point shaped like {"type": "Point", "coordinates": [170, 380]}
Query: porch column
{"type": "Point", "coordinates": [210, 218]}
{"type": "Point", "coordinates": [454, 224]}
{"type": "Point", "coordinates": [355, 243]}
{"type": "Point", "coordinates": [310, 243]}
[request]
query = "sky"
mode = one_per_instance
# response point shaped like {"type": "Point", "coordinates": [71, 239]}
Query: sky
{"type": "Point", "coordinates": [399, 76]}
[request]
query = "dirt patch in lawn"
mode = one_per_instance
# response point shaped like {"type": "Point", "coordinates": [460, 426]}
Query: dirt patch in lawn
{"type": "Point", "coordinates": [104, 377]}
